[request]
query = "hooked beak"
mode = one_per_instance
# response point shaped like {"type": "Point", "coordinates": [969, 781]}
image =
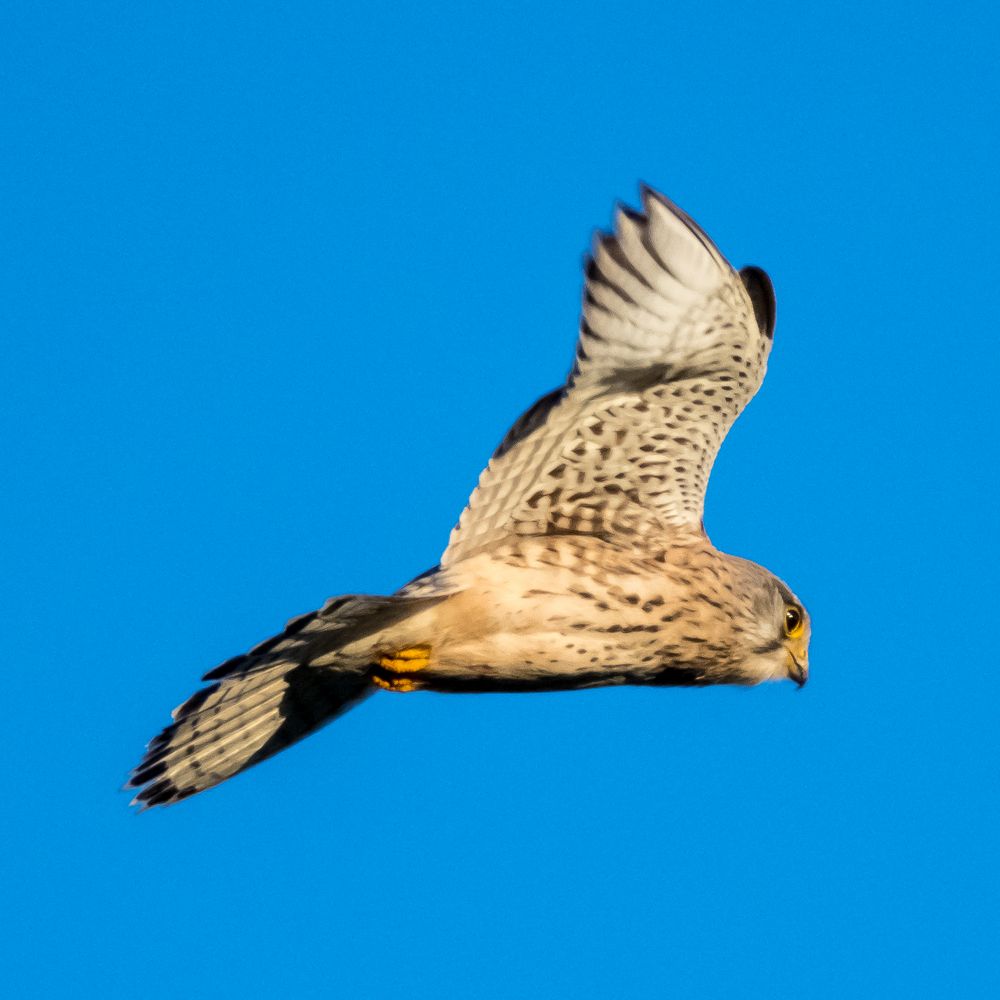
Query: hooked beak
{"type": "Point", "coordinates": [798, 670]}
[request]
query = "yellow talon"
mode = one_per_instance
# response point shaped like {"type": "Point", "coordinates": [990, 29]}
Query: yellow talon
{"type": "Point", "coordinates": [403, 662]}
{"type": "Point", "coordinates": [394, 683]}
{"type": "Point", "coordinates": [406, 660]}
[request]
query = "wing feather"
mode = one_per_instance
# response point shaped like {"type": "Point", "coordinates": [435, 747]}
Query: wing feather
{"type": "Point", "coordinates": [673, 344]}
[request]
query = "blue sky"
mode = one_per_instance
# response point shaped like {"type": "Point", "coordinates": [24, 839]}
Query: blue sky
{"type": "Point", "coordinates": [275, 281]}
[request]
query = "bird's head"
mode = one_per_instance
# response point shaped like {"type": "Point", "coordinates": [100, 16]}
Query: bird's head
{"type": "Point", "coordinates": [778, 631]}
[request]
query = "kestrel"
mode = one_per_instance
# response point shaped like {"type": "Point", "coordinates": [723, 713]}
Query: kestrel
{"type": "Point", "coordinates": [581, 559]}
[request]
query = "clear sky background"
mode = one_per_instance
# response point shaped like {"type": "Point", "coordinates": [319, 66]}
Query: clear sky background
{"type": "Point", "coordinates": [275, 280]}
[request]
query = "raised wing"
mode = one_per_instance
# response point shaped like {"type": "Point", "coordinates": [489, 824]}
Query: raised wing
{"type": "Point", "coordinates": [673, 344]}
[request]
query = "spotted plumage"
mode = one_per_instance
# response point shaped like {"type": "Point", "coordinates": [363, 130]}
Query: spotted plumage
{"type": "Point", "coordinates": [580, 560]}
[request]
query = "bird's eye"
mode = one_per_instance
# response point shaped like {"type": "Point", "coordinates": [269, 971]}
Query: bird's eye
{"type": "Point", "coordinates": [793, 622]}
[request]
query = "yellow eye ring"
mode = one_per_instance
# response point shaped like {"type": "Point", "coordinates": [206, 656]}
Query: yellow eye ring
{"type": "Point", "coordinates": [794, 622]}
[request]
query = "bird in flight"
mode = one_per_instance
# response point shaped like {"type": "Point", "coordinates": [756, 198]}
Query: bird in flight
{"type": "Point", "coordinates": [581, 559]}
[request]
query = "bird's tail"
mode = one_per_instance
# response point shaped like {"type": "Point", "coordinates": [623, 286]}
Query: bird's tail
{"type": "Point", "coordinates": [267, 699]}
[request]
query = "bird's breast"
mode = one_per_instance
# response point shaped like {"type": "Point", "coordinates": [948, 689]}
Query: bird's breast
{"type": "Point", "coordinates": [536, 618]}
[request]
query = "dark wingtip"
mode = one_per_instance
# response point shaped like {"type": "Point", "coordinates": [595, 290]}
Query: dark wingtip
{"type": "Point", "coordinates": [161, 793]}
{"type": "Point", "coordinates": [761, 292]}
{"type": "Point", "coordinates": [145, 774]}
{"type": "Point", "coordinates": [195, 702]}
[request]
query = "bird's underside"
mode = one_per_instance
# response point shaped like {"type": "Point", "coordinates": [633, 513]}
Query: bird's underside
{"type": "Point", "coordinates": [580, 560]}
{"type": "Point", "coordinates": [564, 612]}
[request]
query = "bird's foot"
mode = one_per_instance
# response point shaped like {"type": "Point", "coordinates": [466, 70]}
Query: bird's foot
{"type": "Point", "coordinates": [393, 671]}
